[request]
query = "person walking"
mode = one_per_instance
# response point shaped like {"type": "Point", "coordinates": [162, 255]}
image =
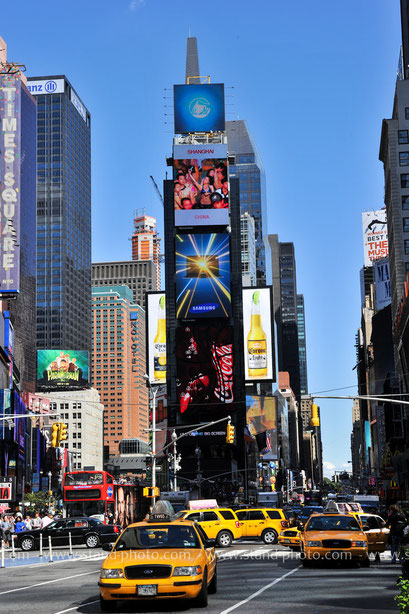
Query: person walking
{"type": "Point", "coordinates": [28, 522]}
{"type": "Point", "coordinates": [36, 523]}
{"type": "Point", "coordinates": [397, 523]}
{"type": "Point", "coordinates": [46, 520]}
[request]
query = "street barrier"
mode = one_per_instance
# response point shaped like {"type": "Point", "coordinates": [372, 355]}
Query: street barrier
{"type": "Point", "coordinates": [70, 542]}
{"type": "Point", "coordinates": [51, 549]}
{"type": "Point", "coordinates": [13, 551]}
{"type": "Point", "coordinates": [41, 544]}
{"type": "Point", "coordinates": [2, 553]}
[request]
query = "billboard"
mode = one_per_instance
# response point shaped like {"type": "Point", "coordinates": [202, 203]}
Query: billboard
{"type": "Point", "coordinates": [45, 86]}
{"type": "Point", "coordinates": [199, 108]}
{"type": "Point", "coordinates": [258, 332]}
{"type": "Point", "coordinates": [201, 186]}
{"type": "Point", "coordinates": [261, 420]}
{"type": "Point", "coordinates": [10, 119]}
{"type": "Point", "coordinates": [156, 336]}
{"type": "Point", "coordinates": [204, 365]}
{"type": "Point", "coordinates": [62, 369]}
{"type": "Point", "coordinates": [375, 235]}
{"type": "Point", "coordinates": [382, 280]}
{"type": "Point", "coordinates": [203, 275]}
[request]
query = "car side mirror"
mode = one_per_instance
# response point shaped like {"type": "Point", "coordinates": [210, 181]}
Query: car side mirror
{"type": "Point", "coordinates": [107, 547]}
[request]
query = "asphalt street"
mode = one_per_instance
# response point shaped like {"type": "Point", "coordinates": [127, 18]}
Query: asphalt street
{"type": "Point", "coordinates": [252, 578]}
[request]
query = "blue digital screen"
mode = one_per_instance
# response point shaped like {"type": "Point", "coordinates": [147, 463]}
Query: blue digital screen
{"type": "Point", "coordinates": [199, 108]}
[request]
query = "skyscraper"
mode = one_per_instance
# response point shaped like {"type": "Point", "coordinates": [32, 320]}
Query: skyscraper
{"type": "Point", "coordinates": [248, 168]}
{"type": "Point", "coordinates": [146, 242]}
{"type": "Point", "coordinates": [139, 275]}
{"type": "Point", "coordinates": [248, 250]}
{"type": "Point", "coordinates": [63, 215]}
{"type": "Point", "coordinates": [302, 344]}
{"type": "Point", "coordinates": [192, 60]}
{"type": "Point", "coordinates": [118, 364]}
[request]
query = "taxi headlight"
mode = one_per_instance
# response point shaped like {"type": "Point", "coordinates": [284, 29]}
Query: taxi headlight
{"type": "Point", "coordinates": [187, 571]}
{"type": "Point", "coordinates": [112, 573]}
{"type": "Point", "coordinates": [358, 544]}
{"type": "Point", "coordinates": [312, 544]}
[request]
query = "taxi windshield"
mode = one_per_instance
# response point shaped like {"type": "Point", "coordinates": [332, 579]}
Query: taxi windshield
{"type": "Point", "coordinates": [161, 536]}
{"type": "Point", "coordinates": [332, 523]}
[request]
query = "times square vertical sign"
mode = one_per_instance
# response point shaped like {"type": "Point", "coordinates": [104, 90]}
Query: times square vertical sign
{"type": "Point", "coordinates": [10, 118]}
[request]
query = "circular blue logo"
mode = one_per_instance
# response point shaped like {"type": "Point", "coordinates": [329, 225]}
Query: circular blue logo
{"type": "Point", "coordinates": [200, 107]}
{"type": "Point", "coordinates": [50, 86]}
{"type": "Point", "coordinates": [110, 491]}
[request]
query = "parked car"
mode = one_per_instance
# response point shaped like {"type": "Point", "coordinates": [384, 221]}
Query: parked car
{"type": "Point", "coordinates": [88, 531]}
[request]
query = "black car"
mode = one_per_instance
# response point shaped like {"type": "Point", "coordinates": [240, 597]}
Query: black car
{"type": "Point", "coordinates": [307, 510]}
{"type": "Point", "coordinates": [88, 531]}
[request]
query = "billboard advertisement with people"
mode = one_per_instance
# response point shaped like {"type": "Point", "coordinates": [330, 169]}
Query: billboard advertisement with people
{"type": "Point", "coordinates": [62, 369]}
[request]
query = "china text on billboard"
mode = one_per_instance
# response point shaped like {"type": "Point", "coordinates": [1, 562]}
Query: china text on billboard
{"type": "Point", "coordinates": [10, 112]}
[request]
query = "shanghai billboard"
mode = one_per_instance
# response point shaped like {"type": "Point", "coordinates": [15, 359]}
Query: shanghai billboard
{"type": "Point", "coordinates": [204, 365]}
{"type": "Point", "coordinates": [62, 369]}
{"type": "Point", "coordinates": [261, 420]}
{"type": "Point", "coordinates": [199, 108]}
{"type": "Point", "coordinates": [258, 332]}
{"type": "Point", "coordinates": [203, 275]}
{"type": "Point", "coordinates": [375, 233]}
{"type": "Point", "coordinates": [201, 185]}
{"type": "Point", "coordinates": [10, 119]}
{"type": "Point", "coordinates": [156, 347]}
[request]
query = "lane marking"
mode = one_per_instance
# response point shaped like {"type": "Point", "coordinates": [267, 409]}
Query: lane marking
{"type": "Point", "coordinates": [46, 562]}
{"type": "Point", "coordinates": [24, 588]}
{"type": "Point", "coordinates": [261, 590]}
{"type": "Point", "coordinates": [229, 555]}
{"type": "Point", "coordinates": [81, 605]}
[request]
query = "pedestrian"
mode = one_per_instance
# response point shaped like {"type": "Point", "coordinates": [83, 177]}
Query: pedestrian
{"type": "Point", "coordinates": [20, 525]}
{"type": "Point", "coordinates": [110, 518]}
{"type": "Point", "coordinates": [46, 520]}
{"type": "Point", "coordinates": [36, 522]}
{"type": "Point", "coordinates": [7, 530]}
{"type": "Point", "coordinates": [397, 523]}
{"type": "Point", "coordinates": [28, 522]}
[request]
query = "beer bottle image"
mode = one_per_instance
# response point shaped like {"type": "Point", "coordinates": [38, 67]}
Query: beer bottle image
{"type": "Point", "coordinates": [159, 343]}
{"type": "Point", "coordinates": [256, 341]}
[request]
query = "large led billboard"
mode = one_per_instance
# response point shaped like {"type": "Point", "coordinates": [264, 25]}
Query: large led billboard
{"type": "Point", "coordinates": [261, 419]}
{"type": "Point", "coordinates": [203, 275]}
{"type": "Point", "coordinates": [156, 336]}
{"type": "Point", "coordinates": [375, 233]}
{"type": "Point", "coordinates": [199, 108]}
{"type": "Point", "coordinates": [201, 185]}
{"type": "Point", "coordinates": [62, 369]}
{"type": "Point", "coordinates": [258, 332]}
{"type": "Point", "coordinates": [204, 365]}
{"type": "Point", "coordinates": [10, 161]}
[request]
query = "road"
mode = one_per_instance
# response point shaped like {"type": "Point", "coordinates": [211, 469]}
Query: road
{"type": "Point", "coordinates": [252, 579]}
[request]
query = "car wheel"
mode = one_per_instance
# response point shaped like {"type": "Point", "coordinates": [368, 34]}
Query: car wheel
{"type": "Point", "coordinates": [27, 543]}
{"type": "Point", "coordinates": [224, 539]}
{"type": "Point", "coordinates": [202, 598]}
{"type": "Point", "coordinates": [107, 606]}
{"type": "Point", "coordinates": [366, 562]}
{"type": "Point", "coordinates": [269, 536]}
{"type": "Point", "coordinates": [92, 541]}
{"type": "Point", "coordinates": [212, 588]}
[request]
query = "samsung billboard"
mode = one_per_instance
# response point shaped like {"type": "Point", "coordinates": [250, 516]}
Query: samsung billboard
{"type": "Point", "coordinates": [10, 118]}
{"type": "Point", "coordinates": [199, 108]}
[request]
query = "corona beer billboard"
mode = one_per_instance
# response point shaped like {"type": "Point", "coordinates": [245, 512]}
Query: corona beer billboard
{"type": "Point", "coordinates": [10, 161]}
{"type": "Point", "coordinates": [201, 185]}
{"type": "Point", "coordinates": [199, 108]}
{"type": "Point", "coordinates": [62, 369]}
{"type": "Point", "coordinates": [258, 332]}
{"type": "Point", "coordinates": [203, 275]}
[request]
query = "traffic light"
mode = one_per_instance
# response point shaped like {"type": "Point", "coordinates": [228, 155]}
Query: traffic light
{"type": "Point", "coordinates": [230, 433]}
{"type": "Point", "coordinates": [63, 432]}
{"type": "Point", "coordinates": [151, 491]}
{"type": "Point", "coordinates": [55, 434]}
{"type": "Point", "coordinates": [314, 420]}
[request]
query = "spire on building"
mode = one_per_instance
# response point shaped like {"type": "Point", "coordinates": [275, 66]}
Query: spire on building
{"type": "Point", "coordinates": [192, 59]}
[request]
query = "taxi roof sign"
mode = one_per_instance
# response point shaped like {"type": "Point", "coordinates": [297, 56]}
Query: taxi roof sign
{"type": "Point", "coordinates": [162, 512]}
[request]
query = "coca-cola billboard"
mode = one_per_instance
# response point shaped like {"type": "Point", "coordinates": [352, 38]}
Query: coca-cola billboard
{"type": "Point", "coordinates": [204, 359]}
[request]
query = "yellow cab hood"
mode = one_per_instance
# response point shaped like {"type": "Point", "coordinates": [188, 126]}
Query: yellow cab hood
{"type": "Point", "coordinates": [177, 557]}
{"type": "Point", "coordinates": [320, 535]}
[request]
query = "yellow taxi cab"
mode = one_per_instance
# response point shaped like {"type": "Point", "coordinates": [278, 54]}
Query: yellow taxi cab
{"type": "Point", "coordinates": [218, 523]}
{"type": "Point", "coordinates": [336, 537]}
{"type": "Point", "coordinates": [375, 530]}
{"type": "Point", "coordinates": [158, 558]}
{"type": "Point", "coordinates": [264, 523]}
{"type": "Point", "coordinates": [290, 537]}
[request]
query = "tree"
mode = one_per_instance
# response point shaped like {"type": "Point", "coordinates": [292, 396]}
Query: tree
{"type": "Point", "coordinates": [38, 501]}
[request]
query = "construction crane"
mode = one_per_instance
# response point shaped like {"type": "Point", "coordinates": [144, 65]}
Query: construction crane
{"type": "Point", "coordinates": [155, 185]}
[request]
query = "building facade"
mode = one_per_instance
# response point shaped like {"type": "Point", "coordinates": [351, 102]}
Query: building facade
{"type": "Point", "coordinates": [63, 215]}
{"type": "Point", "coordinates": [302, 344]}
{"type": "Point", "coordinates": [119, 364]}
{"type": "Point", "coordinates": [146, 242]}
{"type": "Point", "coordinates": [248, 250]}
{"type": "Point", "coordinates": [139, 275]}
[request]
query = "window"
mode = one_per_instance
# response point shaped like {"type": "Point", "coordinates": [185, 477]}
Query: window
{"type": "Point", "coordinates": [405, 224]}
{"type": "Point", "coordinates": [406, 244]}
{"type": "Point", "coordinates": [195, 516]}
{"type": "Point", "coordinates": [403, 137]}
{"type": "Point", "coordinates": [208, 516]}
{"type": "Point", "coordinates": [256, 515]}
{"type": "Point", "coordinates": [404, 158]}
{"type": "Point", "coordinates": [406, 112]}
{"type": "Point", "coordinates": [404, 181]}
{"type": "Point", "coordinates": [405, 202]}
{"type": "Point", "coordinates": [274, 515]}
{"type": "Point", "coordinates": [227, 514]}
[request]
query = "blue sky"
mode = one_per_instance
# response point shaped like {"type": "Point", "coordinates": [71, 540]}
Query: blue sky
{"type": "Point", "coordinates": [313, 81]}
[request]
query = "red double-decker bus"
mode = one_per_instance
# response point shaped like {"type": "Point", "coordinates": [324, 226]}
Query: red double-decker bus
{"type": "Point", "coordinates": [86, 493]}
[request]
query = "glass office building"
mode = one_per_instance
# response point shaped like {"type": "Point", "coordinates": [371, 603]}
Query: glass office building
{"type": "Point", "coordinates": [248, 168]}
{"type": "Point", "coordinates": [63, 215]}
{"type": "Point", "coordinates": [302, 344]}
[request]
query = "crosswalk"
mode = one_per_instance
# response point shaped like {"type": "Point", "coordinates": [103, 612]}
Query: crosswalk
{"type": "Point", "coordinates": [258, 553]}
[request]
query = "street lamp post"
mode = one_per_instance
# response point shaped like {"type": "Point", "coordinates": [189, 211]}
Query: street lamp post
{"type": "Point", "coordinates": [153, 409]}
{"type": "Point", "coordinates": [50, 475]}
{"type": "Point", "coordinates": [198, 453]}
